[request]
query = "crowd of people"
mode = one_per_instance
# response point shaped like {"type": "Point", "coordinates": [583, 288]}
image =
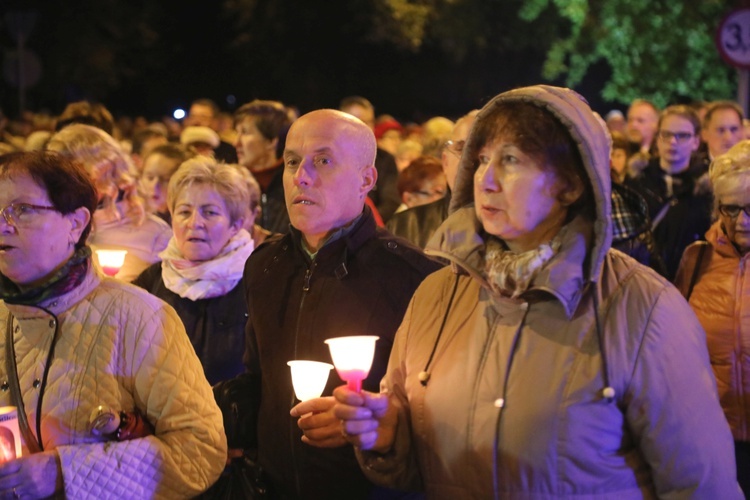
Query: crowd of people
{"type": "Point", "coordinates": [562, 301]}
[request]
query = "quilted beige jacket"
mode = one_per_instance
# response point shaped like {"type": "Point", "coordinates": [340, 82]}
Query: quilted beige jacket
{"type": "Point", "coordinates": [120, 347]}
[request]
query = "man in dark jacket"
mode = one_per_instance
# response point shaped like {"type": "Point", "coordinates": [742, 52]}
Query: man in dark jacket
{"type": "Point", "coordinates": [334, 275]}
{"type": "Point", "coordinates": [679, 202]}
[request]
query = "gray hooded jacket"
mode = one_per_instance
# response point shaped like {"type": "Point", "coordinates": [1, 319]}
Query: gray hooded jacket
{"type": "Point", "coordinates": [514, 403]}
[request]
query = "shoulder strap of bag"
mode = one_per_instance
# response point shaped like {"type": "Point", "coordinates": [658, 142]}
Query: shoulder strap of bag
{"type": "Point", "coordinates": [15, 389]}
{"type": "Point", "coordinates": [696, 270]}
{"type": "Point", "coordinates": [662, 213]}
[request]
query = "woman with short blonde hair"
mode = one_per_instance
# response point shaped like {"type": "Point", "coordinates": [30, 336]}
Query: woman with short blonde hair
{"type": "Point", "coordinates": [201, 270]}
{"type": "Point", "coordinates": [714, 276]}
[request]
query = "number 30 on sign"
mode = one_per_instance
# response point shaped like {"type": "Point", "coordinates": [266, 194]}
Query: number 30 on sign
{"type": "Point", "coordinates": [733, 38]}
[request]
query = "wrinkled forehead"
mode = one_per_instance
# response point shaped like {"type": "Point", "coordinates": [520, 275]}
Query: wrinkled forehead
{"type": "Point", "coordinates": [329, 134]}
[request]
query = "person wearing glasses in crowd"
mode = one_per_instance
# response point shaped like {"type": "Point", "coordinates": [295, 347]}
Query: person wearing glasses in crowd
{"type": "Point", "coordinates": [419, 223]}
{"type": "Point", "coordinates": [715, 278]}
{"type": "Point", "coordinates": [77, 344]}
{"type": "Point", "coordinates": [679, 205]}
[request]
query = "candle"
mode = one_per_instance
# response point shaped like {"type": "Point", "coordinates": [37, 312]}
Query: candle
{"type": "Point", "coordinates": [309, 378]}
{"type": "Point", "coordinates": [352, 357]}
{"type": "Point", "coordinates": [111, 260]}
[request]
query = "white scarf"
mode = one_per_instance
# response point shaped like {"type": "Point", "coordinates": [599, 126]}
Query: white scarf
{"type": "Point", "coordinates": [212, 278]}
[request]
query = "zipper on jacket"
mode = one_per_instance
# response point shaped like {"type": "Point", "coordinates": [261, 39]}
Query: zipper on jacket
{"type": "Point", "coordinates": [292, 424]}
{"type": "Point", "coordinates": [738, 355]}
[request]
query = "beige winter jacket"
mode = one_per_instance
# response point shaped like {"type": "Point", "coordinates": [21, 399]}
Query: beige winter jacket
{"type": "Point", "coordinates": [120, 347]}
{"type": "Point", "coordinates": [527, 377]}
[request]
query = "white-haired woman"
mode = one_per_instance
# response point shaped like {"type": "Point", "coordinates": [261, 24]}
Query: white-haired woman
{"type": "Point", "coordinates": [120, 220]}
{"type": "Point", "coordinates": [714, 276]}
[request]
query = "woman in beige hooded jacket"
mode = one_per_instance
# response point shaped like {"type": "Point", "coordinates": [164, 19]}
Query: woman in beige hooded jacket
{"type": "Point", "coordinates": [542, 364]}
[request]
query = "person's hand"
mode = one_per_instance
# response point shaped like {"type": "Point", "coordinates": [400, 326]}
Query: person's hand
{"type": "Point", "coordinates": [319, 426]}
{"type": "Point", "coordinates": [369, 419]}
{"type": "Point", "coordinates": [34, 476]}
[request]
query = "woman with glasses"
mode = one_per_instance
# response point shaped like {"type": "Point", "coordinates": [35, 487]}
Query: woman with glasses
{"type": "Point", "coordinates": [84, 356]}
{"type": "Point", "coordinates": [715, 277]}
{"type": "Point", "coordinates": [679, 204]}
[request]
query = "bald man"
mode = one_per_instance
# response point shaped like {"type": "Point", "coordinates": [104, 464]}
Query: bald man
{"type": "Point", "coordinates": [335, 274]}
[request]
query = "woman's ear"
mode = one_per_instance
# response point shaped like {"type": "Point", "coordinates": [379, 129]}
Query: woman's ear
{"type": "Point", "coordinates": [572, 192]}
{"type": "Point", "coordinates": [79, 219]}
{"type": "Point", "coordinates": [237, 225]}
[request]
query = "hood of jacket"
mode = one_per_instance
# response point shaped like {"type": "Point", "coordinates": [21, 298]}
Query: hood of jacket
{"type": "Point", "coordinates": [589, 132]}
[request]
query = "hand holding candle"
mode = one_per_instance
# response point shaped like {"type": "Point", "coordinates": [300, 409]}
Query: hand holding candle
{"type": "Point", "coordinates": [352, 357]}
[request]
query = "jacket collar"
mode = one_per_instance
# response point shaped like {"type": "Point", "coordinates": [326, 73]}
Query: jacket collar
{"type": "Point", "coordinates": [336, 252]}
{"type": "Point", "coordinates": [60, 304]}
{"type": "Point", "coordinates": [460, 240]}
{"type": "Point", "coordinates": [721, 243]}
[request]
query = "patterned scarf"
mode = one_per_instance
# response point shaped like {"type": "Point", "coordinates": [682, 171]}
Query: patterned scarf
{"type": "Point", "coordinates": [510, 274]}
{"type": "Point", "coordinates": [212, 278]}
{"type": "Point", "coordinates": [61, 282]}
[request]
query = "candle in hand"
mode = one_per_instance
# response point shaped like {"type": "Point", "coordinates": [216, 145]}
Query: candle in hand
{"type": "Point", "coordinates": [352, 357]}
{"type": "Point", "coordinates": [309, 378]}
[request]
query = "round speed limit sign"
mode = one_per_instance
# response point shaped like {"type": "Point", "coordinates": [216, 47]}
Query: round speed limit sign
{"type": "Point", "coordinates": [733, 38]}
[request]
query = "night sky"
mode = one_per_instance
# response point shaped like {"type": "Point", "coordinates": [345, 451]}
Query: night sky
{"type": "Point", "coordinates": [308, 56]}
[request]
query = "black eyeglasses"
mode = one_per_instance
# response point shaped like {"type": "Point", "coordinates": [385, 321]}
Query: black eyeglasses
{"type": "Point", "coordinates": [733, 211]}
{"type": "Point", "coordinates": [455, 147]}
{"type": "Point", "coordinates": [20, 214]}
{"type": "Point", "coordinates": [666, 135]}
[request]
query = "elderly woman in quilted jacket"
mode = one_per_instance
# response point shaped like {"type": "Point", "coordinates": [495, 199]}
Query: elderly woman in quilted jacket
{"type": "Point", "coordinates": [715, 277]}
{"type": "Point", "coordinates": [542, 364]}
{"type": "Point", "coordinates": [76, 344]}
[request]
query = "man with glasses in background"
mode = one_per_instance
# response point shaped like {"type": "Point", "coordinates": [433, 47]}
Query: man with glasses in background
{"type": "Point", "coordinates": [679, 203]}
